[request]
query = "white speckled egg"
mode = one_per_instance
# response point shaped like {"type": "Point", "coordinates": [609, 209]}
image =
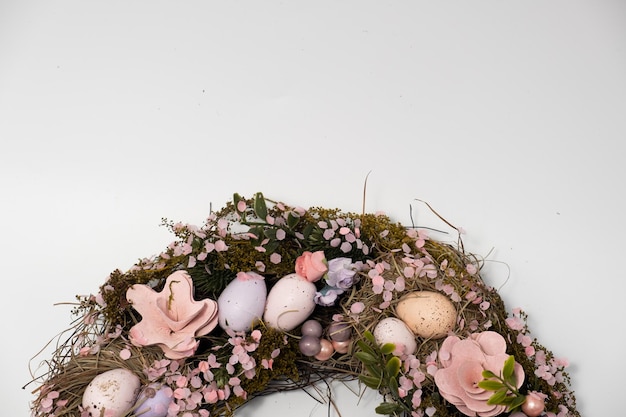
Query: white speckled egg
{"type": "Point", "coordinates": [289, 303]}
{"type": "Point", "coordinates": [113, 391]}
{"type": "Point", "coordinates": [240, 306]}
{"type": "Point", "coordinates": [428, 314]}
{"type": "Point", "coordinates": [393, 330]}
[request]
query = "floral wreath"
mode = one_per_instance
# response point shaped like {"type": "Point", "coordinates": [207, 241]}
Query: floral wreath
{"type": "Point", "coordinates": [266, 297]}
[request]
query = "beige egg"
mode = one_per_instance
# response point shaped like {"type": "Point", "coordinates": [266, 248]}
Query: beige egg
{"type": "Point", "coordinates": [289, 303]}
{"type": "Point", "coordinates": [428, 314]}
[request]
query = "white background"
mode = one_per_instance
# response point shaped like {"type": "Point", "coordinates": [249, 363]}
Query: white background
{"type": "Point", "coordinates": [507, 117]}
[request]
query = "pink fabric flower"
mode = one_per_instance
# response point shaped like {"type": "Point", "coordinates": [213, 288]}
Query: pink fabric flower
{"type": "Point", "coordinates": [171, 318]}
{"type": "Point", "coordinates": [311, 265]}
{"type": "Point", "coordinates": [463, 362]}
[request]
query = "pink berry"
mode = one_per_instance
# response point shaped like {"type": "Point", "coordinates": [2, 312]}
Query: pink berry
{"type": "Point", "coordinates": [534, 405]}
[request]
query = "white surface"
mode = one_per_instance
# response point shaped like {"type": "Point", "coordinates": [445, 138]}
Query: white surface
{"type": "Point", "coordinates": [507, 117]}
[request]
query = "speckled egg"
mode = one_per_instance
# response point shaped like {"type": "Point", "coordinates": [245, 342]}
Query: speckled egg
{"type": "Point", "coordinates": [289, 303]}
{"type": "Point", "coordinates": [111, 393]}
{"type": "Point", "coordinates": [428, 314]}
{"type": "Point", "coordinates": [241, 304]}
{"type": "Point", "coordinates": [393, 330]}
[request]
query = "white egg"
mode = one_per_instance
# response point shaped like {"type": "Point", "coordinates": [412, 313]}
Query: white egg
{"type": "Point", "coordinates": [111, 393]}
{"type": "Point", "coordinates": [393, 330]}
{"type": "Point", "coordinates": [428, 314]}
{"type": "Point", "coordinates": [240, 306]}
{"type": "Point", "coordinates": [289, 303]}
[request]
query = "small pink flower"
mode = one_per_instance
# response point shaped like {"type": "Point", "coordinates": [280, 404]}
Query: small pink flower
{"type": "Point", "coordinates": [267, 364]}
{"type": "Point", "coordinates": [311, 265]}
{"type": "Point", "coordinates": [275, 258]}
{"type": "Point", "coordinates": [515, 323]}
{"type": "Point", "coordinates": [256, 335]}
{"type": "Point", "coordinates": [125, 354]}
{"type": "Point", "coordinates": [357, 308]}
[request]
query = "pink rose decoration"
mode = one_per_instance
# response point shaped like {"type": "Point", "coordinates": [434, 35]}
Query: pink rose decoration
{"type": "Point", "coordinates": [463, 362]}
{"type": "Point", "coordinates": [311, 265]}
{"type": "Point", "coordinates": [171, 318]}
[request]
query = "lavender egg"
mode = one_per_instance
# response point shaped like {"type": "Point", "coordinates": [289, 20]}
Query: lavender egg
{"type": "Point", "coordinates": [241, 304]}
{"type": "Point", "coordinates": [339, 332]}
{"type": "Point", "coordinates": [154, 401]}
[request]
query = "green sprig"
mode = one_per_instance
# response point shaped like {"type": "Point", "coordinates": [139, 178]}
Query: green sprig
{"type": "Point", "coordinates": [504, 386]}
{"type": "Point", "coordinates": [381, 370]}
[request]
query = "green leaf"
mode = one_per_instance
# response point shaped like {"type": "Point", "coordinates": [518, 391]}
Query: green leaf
{"type": "Point", "coordinates": [518, 400]}
{"type": "Point", "coordinates": [393, 387]}
{"type": "Point", "coordinates": [393, 366]}
{"type": "Point", "coordinates": [260, 208]}
{"type": "Point", "coordinates": [370, 381]}
{"type": "Point", "coordinates": [509, 368]}
{"type": "Point", "coordinates": [369, 336]}
{"type": "Point", "coordinates": [366, 357]}
{"type": "Point", "coordinates": [270, 234]}
{"type": "Point", "coordinates": [387, 348]}
{"type": "Point", "coordinates": [258, 232]}
{"type": "Point", "coordinates": [388, 408]}
{"type": "Point", "coordinates": [272, 246]}
{"type": "Point", "coordinates": [366, 348]}
{"type": "Point", "coordinates": [498, 397]}
{"type": "Point", "coordinates": [236, 199]}
{"type": "Point", "coordinates": [488, 374]}
{"type": "Point", "coordinates": [308, 229]}
{"type": "Point", "coordinates": [507, 400]}
{"type": "Point", "coordinates": [292, 220]}
{"type": "Point", "coordinates": [374, 370]}
{"type": "Point", "coordinates": [490, 385]}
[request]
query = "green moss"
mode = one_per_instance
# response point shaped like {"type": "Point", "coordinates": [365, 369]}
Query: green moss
{"type": "Point", "coordinates": [284, 366]}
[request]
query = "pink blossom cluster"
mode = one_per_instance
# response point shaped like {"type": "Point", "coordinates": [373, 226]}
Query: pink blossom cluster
{"type": "Point", "coordinates": [51, 404]}
{"type": "Point", "coordinates": [189, 387]}
{"type": "Point", "coordinates": [414, 266]}
{"type": "Point", "coordinates": [472, 293]}
{"type": "Point", "coordinates": [413, 374]}
{"type": "Point", "coordinates": [196, 243]}
{"type": "Point", "coordinates": [193, 242]}
{"type": "Point", "coordinates": [547, 367]}
{"type": "Point", "coordinates": [384, 286]}
{"type": "Point", "coordinates": [344, 234]}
